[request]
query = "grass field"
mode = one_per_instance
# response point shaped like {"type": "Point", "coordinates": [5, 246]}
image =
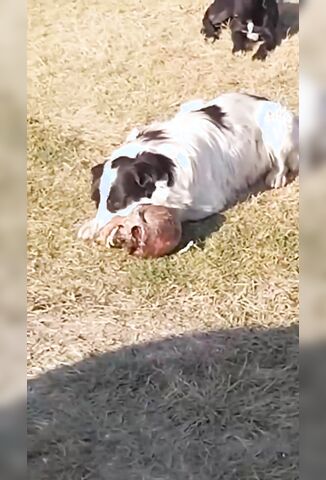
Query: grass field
{"type": "Point", "coordinates": [178, 368]}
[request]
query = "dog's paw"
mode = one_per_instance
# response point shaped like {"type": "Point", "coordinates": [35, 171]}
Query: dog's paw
{"type": "Point", "coordinates": [88, 230]}
{"type": "Point", "coordinates": [260, 55]}
{"type": "Point", "coordinates": [238, 53]}
{"type": "Point", "coordinates": [211, 39]}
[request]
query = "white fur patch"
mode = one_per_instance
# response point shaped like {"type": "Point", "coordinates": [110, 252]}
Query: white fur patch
{"type": "Point", "coordinates": [253, 36]}
{"type": "Point", "coordinates": [109, 175]}
{"type": "Point", "coordinates": [183, 161]}
{"type": "Point", "coordinates": [275, 122]}
{"type": "Point", "coordinates": [130, 149]}
{"type": "Point", "coordinates": [192, 105]}
{"type": "Point", "coordinates": [250, 28]}
{"type": "Point", "coordinates": [133, 135]}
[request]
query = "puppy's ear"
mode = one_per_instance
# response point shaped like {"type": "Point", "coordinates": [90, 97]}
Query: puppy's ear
{"type": "Point", "coordinates": [96, 177]}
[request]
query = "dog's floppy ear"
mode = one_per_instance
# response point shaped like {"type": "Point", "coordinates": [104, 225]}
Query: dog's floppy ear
{"type": "Point", "coordinates": [96, 177]}
{"type": "Point", "coordinates": [121, 161]}
{"type": "Point", "coordinates": [144, 173]}
{"type": "Point", "coordinates": [97, 171]}
{"type": "Point", "coordinates": [144, 179]}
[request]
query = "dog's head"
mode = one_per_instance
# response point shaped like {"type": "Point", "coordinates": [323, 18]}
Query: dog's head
{"type": "Point", "coordinates": [132, 180]}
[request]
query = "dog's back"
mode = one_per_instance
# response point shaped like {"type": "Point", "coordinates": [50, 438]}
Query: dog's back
{"type": "Point", "coordinates": [218, 13]}
{"type": "Point", "coordinates": [278, 126]}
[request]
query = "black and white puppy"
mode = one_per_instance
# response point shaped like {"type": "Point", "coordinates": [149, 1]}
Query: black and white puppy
{"type": "Point", "coordinates": [249, 19]}
{"type": "Point", "coordinates": [198, 161]}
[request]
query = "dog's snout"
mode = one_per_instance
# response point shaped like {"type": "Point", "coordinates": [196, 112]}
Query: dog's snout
{"type": "Point", "coordinates": [112, 206]}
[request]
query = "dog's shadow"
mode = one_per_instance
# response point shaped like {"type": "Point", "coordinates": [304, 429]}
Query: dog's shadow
{"type": "Point", "coordinates": [289, 20]}
{"type": "Point", "coordinates": [199, 232]}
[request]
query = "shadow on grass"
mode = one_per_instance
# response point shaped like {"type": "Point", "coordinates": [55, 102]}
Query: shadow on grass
{"type": "Point", "coordinates": [198, 232]}
{"type": "Point", "coordinates": [201, 230]}
{"type": "Point", "coordinates": [221, 405]}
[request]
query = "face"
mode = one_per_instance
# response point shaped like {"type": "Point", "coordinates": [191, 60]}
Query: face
{"type": "Point", "coordinates": [126, 182]}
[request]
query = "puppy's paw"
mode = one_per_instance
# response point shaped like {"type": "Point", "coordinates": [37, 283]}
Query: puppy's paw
{"type": "Point", "coordinates": [238, 53]}
{"type": "Point", "coordinates": [210, 39]}
{"type": "Point", "coordinates": [88, 230]}
{"type": "Point", "coordinates": [260, 55]}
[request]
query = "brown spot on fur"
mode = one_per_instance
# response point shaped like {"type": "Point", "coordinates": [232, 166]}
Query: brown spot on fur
{"type": "Point", "coordinates": [152, 135]}
{"type": "Point", "coordinates": [257, 97]}
{"type": "Point", "coordinates": [215, 115]}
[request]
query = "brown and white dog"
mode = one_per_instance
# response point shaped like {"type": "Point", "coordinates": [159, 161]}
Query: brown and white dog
{"type": "Point", "coordinates": [197, 162]}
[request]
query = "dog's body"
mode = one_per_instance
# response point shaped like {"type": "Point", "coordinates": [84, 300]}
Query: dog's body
{"type": "Point", "coordinates": [197, 162]}
{"type": "Point", "coordinates": [249, 19]}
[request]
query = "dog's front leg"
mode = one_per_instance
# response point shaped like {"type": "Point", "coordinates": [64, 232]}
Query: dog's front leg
{"type": "Point", "coordinates": [239, 38]}
{"type": "Point", "coordinates": [269, 42]}
{"type": "Point", "coordinates": [89, 229]}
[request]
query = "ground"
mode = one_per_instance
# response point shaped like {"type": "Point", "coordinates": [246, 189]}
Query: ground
{"type": "Point", "coordinates": [178, 368]}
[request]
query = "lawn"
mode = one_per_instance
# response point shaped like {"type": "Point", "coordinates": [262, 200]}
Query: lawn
{"type": "Point", "coordinates": [177, 368]}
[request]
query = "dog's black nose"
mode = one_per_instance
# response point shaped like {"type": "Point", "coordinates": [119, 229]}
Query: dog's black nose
{"type": "Point", "coordinates": [113, 207]}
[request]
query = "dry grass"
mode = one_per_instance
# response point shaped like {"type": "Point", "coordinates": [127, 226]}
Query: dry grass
{"type": "Point", "coordinates": [217, 406]}
{"type": "Point", "coordinates": [96, 69]}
